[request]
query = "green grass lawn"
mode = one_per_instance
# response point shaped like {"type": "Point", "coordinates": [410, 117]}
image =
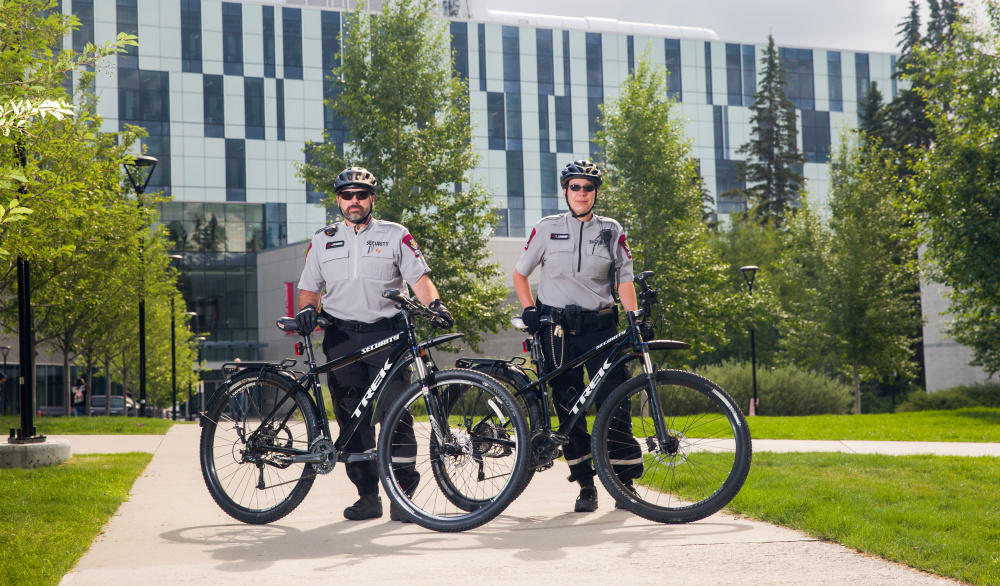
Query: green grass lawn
{"type": "Point", "coordinates": [974, 424]}
{"type": "Point", "coordinates": [91, 425]}
{"type": "Point", "coordinates": [50, 516]}
{"type": "Point", "coordinates": [940, 514]}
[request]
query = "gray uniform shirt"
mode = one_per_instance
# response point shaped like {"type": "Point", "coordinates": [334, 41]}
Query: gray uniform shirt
{"type": "Point", "coordinates": [356, 268]}
{"type": "Point", "coordinates": [575, 259]}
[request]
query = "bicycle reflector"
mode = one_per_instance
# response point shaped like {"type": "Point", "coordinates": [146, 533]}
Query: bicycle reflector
{"type": "Point", "coordinates": [525, 346]}
{"type": "Point", "coordinates": [299, 350]}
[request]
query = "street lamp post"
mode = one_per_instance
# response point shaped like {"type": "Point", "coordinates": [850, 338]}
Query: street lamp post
{"type": "Point", "coordinates": [749, 274]}
{"type": "Point", "coordinates": [3, 387]}
{"type": "Point", "coordinates": [187, 408]}
{"type": "Point", "coordinates": [138, 171]}
{"type": "Point", "coordinates": [173, 353]}
{"type": "Point", "coordinates": [201, 389]}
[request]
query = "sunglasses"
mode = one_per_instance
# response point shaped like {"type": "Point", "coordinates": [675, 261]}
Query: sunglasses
{"type": "Point", "coordinates": [358, 195]}
{"type": "Point", "coordinates": [586, 188]}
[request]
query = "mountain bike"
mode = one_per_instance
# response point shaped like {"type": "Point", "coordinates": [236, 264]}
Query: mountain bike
{"type": "Point", "coordinates": [266, 435]}
{"type": "Point", "coordinates": [694, 442]}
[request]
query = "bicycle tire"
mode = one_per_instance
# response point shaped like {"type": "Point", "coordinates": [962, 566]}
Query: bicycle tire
{"type": "Point", "coordinates": [247, 481]}
{"type": "Point", "coordinates": [696, 472]}
{"type": "Point", "coordinates": [477, 475]}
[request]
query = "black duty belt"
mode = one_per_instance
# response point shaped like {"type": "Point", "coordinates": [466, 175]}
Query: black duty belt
{"type": "Point", "coordinates": [574, 319]}
{"type": "Point", "coordinates": [385, 324]}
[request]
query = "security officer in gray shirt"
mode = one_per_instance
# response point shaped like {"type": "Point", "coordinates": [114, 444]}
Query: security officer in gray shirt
{"type": "Point", "coordinates": [586, 265]}
{"type": "Point", "coordinates": [348, 266]}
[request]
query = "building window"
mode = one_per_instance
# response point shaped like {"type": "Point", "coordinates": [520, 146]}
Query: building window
{"type": "Point", "coordinates": [749, 74]}
{"type": "Point", "coordinates": [460, 49]}
{"type": "Point", "coordinates": [253, 106]}
{"type": "Point", "coordinates": [215, 106]}
{"type": "Point", "coordinates": [799, 87]}
{"type": "Point", "coordinates": [84, 11]}
{"type": "Point", "coordinates": [566, 63]}
{"type": "Point", "coordinates": [279, 95]}
{"type": "Point", "coordinates": [728, 187]}
{"type": "Point", "coordinates": [543, 124]}
{"type": "Point", "coordinates": [515, 193]}
{"type": "Point", "coordinates": [546, 65]}
{"type": "Point", "coordinates": [631, 54]}
{"type": "Point", "coordinates": [495, 115]}
{"type": "Point", "coordinates": [595, 66]}
{"type": "Point", "coordinates": [269, 59]}
{"type": "Point", "coordinates": [816, 136]}
{"type": "Point", "coordinates": [313, 195]}
{"type": "Point", "coordinates": [734, 75]}
{"type": "Point", "coordinates": [720, 123]}
{"type": "Point", "coordinates": [511, 60]}
{"type": "Point", "coordinates": [236, 169]}
{"type": "Point", "coordinates": [672, 51]}
{"type": "Point", "coordinates": [862, 75]}
{"type": "Point", "coordinates": [564, 124]}
{"type": "Point", "coordinates": [190, 36]}
{"type": "Point", "coordinates": [144, 100]}
{"type": "Point", "coordinates": [334, 125]}
{"type": "Point", "coordinates": [835, 81]}
{"type": "Point", "coordinates": [708, 73]}
{"type": "Point", "coordinates": [550, 181]}
{"type": "Point", "coordinates": [481, 43]}
{"type": "Point", "coordinates": [291, 30]}
{"type": "Point", "coordinates": [513, 121]}
{"type": "Point", "coordinates": [127, 16]}
{"type": "Point", "coordinates": [232, 38]}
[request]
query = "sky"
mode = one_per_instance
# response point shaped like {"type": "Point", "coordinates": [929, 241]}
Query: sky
{"type": "Point", "coordinates": [857, 25]}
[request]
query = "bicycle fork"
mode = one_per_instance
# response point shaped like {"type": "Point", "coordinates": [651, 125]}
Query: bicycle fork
{"type": "Point", "coordinates": [665, 443]}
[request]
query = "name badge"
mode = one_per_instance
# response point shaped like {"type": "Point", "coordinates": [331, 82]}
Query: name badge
{"type": "Point", "coordinates": [334, 244]}
{"type": "Point", "coordinates": [555, 236]}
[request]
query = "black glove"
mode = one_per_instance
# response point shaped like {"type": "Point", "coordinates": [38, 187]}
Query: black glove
{"type": "Point", "coordinates": [530, 316]}
{"type": "Point", "coordinates": [443, 319]}
{"type": "Point", "coordinates": [305, 319]}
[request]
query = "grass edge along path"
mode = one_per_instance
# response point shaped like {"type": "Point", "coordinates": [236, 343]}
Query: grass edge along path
{"type": "Point", "coordinates": [50, 516]}
{"type": "Point", "coordinates": [939, 514]}
{"type": "Point", "coordinates": [92, 425]}
{"type": "Point", "coordinates": [970, 424]}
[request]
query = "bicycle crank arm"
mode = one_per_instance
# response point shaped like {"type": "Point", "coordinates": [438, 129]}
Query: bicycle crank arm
{"type": "Point", "coordinates": [363, 457]}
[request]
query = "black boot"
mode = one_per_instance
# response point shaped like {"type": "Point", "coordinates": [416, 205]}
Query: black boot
{"type": "Point", "coordinates": [396, 514]}
{"type": "Point", "coordinates": [369, 506]}
{"type": "Point", "coordinates": [587, 501]}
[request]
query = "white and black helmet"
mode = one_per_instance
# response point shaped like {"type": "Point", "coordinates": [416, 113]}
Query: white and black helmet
{"type": "Point", "coordinates": [583, 169]}
{"type": "Point", "coordinates": [355, 177]}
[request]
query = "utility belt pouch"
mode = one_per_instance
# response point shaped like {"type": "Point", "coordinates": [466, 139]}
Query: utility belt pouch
{"type": "Point", "coordinates": [572, 319]}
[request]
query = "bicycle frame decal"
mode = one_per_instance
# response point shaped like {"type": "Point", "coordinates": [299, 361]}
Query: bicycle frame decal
{"type": "Point", "coordinates": [610, 340]}
{"type": "Point", "coordinates": [594, 383]}
{"type": "Point", "coordinates": [373, 387]}
{"type": "Point", "coordinates": [384, 342]}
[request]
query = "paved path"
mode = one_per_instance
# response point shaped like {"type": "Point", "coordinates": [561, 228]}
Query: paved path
{"type": "Point", "coordinates": [171, 532]}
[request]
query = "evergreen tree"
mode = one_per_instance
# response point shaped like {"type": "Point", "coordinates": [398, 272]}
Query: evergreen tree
{"type": "Point", "coordinates": [409, 121]}
{"type": "Point", "coordinates": [871, 114]}
{"type": "Point", "coordinates": [771, 169]}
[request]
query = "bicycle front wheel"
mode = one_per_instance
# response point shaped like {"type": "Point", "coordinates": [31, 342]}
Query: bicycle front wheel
{"type": "Point", "coordinates": [458, 467]}
{"type": "Point", "coordinates": [689, 472]}
{"type": "Point", "coordinates": [245, 438]}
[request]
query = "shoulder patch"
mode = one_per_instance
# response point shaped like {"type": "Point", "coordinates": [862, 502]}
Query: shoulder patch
{"type": "Point", "coordinates": [624, 245]}
{"type": "Point", "coordinates": [411, 244]}
{"type": "Point", "coordinates": [530, 238]}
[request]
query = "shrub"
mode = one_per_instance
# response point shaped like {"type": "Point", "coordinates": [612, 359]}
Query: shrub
{"type": "Point", "coordinates": [975, 395]}
{"type": "Point", "coordinates": [781, 390]}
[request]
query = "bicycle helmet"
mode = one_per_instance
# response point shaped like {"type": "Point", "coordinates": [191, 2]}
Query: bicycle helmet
{"type": "Point", "coordinates": [355, 177]}
{"type": "Point", "coordinates": [583, 169]}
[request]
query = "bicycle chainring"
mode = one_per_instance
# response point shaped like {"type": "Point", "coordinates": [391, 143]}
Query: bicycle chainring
{"type": "Point", "coordinates": [325, 447]}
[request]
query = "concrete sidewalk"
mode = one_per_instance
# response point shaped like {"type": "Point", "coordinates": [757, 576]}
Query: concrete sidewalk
{"type": "Point", "coordinates": [171, 532]}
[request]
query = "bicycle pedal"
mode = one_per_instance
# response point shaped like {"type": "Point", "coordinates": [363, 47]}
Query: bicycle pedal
{"type": "Point", "coordinates": [560, 438]}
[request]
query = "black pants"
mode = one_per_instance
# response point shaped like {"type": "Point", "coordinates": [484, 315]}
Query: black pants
{"type": "Point", "coordinates": [566, 389]}
{"type": "Point", "coordinates": [348, 385]}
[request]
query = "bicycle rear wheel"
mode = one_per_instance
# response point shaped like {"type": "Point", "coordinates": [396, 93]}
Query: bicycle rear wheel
{"type": "Point", "coordinates": [256, 413]}
{"type": "Point", "coordinates": [700, 466]}
{"type": "Point", "coordinates": [475, 472]}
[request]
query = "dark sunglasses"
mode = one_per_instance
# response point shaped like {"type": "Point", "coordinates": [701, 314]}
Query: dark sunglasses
{"type": "Point", "coordinates": [587, 188]}
{"type": "Point", "coordinates": [358, 195]}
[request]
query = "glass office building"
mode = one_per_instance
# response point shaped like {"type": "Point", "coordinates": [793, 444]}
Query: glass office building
{"type": "Point", "coordinates": [231, 91]}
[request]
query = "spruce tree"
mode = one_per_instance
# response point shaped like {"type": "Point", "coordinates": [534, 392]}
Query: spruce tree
{"type": "Point", "coordinates": [771, 169]}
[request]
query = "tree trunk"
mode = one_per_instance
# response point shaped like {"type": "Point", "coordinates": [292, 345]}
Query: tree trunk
{"type": "Point", "coordinates": [857, 388]}
{"type": "Point", "coordinates": [67, 384]}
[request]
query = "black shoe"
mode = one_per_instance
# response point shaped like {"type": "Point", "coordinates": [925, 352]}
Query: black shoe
{"type": "Point", "coordinates": [587, 501]}
{"type": "Point", "coordinates": [367, 507]}
{"type": "Point", "coordinates": [630, 490]}
{"type": "Point", "coordinates": [396, 514]}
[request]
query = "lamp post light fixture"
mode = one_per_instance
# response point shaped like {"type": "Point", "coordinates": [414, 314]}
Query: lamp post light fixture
{"type": "Point", "coordinates": [749, 275]}
{"type": "Point", "coordinates": [139, 171]}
